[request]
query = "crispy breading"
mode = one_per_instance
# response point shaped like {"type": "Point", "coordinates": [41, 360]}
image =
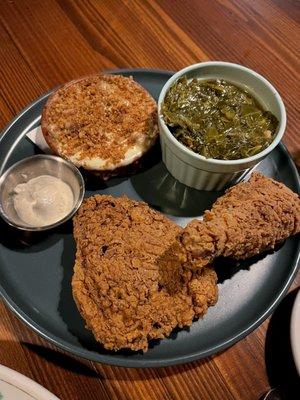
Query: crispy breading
{"type": "Point", "coordinates": [250, 218]}
{"type": "Point", "coordinates": [100, 122]}
{"type": "Point", "coordinates": [128, 280]}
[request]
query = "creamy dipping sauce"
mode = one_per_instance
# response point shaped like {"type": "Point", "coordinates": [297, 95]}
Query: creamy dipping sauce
{"type": "Point", "coordinates": [43, 200]}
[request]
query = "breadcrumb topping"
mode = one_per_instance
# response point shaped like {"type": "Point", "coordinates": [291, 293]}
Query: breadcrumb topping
{"type": "Point", "coordinates": [101, 116]}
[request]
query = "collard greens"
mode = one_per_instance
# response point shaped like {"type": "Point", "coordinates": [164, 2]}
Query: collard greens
{"type": "Point", "coordinates": [217, 119]}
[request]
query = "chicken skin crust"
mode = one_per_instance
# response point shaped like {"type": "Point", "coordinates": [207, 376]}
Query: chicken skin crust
{"type": "Point", "coordinates": [128, 281]}
{"type": "Point", "coordinates": [138, 275]}
{"type": "Point", "coordinates": [250, 218]}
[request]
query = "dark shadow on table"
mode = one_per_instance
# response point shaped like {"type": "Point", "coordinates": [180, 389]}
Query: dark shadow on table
{"type": "Point", "coordinates": [53, 356]}
{"type": "Point", "coordinates": [132, 374]}
{"type": "Point", "coordinates": [281, 370]}
{"type": "Point", "coordinates": [62, 360]}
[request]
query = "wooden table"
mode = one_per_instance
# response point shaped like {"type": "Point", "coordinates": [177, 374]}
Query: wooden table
{"type": "Point", "coordinates": [45, 43]}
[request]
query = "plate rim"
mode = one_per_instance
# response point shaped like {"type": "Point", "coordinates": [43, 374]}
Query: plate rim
{"type": "Point", "coordinates": [25, 384]}
{"type": "Point", "coordinates": [141, 363]}
{"type": "Point", "coordinates": [294, 332]}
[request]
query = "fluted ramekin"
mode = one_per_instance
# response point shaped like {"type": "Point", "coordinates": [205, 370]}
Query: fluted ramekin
{"type": "Point", "coordinates": [204, 173]}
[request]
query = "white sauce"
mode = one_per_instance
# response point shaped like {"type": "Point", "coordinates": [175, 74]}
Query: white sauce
{"type": "Point", "coordinates": [43, 200]}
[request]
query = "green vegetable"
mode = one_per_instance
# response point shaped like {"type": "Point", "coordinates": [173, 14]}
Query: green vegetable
{"type": "Point", "coordinates": [217, 119]}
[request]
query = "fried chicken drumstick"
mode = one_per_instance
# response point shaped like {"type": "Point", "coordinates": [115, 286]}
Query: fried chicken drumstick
{"type": "Point", "coordinates": [250, 218]}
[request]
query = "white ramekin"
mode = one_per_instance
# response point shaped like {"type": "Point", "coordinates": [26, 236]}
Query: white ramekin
{"type": "Point", "coordinates": [203, 173]}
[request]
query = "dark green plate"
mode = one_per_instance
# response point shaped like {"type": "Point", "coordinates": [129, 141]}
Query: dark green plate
{"type": "Point", "coordinates": [35, 278]}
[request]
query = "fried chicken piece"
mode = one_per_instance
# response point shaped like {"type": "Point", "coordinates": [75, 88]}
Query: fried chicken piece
{"type": "Point", "coordinates": [250, 218]}
{"type": "Point", "coordinates": [129, 284]}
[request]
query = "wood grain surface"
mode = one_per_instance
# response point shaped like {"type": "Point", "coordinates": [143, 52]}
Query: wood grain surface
{"type": "Point", "coordinates": [45, 43]}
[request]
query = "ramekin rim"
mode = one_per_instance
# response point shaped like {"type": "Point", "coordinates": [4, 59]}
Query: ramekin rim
{"type": "Point", "coordinates": [77, 204]}
{"type": "Point", "coordinates": [240, 161]}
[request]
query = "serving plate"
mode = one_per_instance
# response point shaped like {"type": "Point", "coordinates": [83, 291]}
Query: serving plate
{"type": "Point", "coordinates": [295, 331]}
{"type": "Point", "coordinates": [15, 386]}
{"type": "Point", "coordinates": [35, 272]}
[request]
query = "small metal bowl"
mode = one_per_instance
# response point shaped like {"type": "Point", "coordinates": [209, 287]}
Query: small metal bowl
{"type": "Point", "coordinates": [29, 168]}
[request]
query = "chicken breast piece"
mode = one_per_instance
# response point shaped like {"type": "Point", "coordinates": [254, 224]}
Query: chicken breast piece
{"type": "Point", "coordinates": [129, 284]}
